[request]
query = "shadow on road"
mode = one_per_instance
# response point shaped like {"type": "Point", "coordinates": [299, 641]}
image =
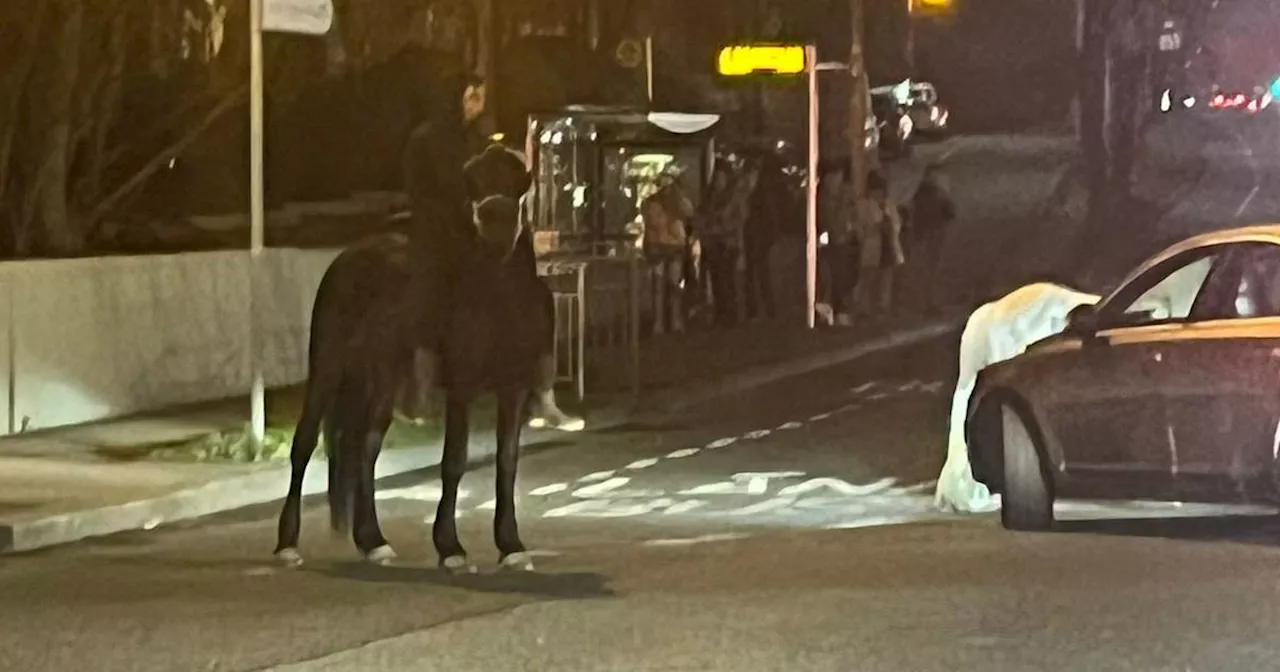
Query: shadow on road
{"type": "Point", "coordinates": [1262, 530]}
{"type": "Point", "coordinates": [567, 586]}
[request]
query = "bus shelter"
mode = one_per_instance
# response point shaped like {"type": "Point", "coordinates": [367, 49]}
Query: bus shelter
{"type": "Point", "coordinates": [593, 167]}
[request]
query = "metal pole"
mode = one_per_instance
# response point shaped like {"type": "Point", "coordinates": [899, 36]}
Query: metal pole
{"type": "Point", "coordinates": [648, 68]}
{"type": "Point", "coordinates": [257, 396]}
{"type": "Point", "coordinates": [811, 205]}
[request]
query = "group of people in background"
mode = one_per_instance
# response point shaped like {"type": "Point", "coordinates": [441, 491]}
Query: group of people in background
{"type": "Point", "coordinates": [866, 244]}
{"type": "Point", "coordinates": [700, 257]}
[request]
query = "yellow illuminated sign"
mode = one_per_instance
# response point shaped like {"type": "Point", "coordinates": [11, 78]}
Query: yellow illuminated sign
{"type": "Point", "coordinates": [931, 6]}
{"type": "Point", "coordinates": [742, 60]}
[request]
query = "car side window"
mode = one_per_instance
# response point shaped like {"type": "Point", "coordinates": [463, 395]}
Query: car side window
{"type": "Point", "coordinates": [1167, 293]}
{"type": "Point", "coordinates": [1258, 290]}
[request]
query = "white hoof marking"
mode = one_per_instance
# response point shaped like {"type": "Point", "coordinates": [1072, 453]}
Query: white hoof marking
{"type": "Point", "coordinates": [457, 564]}
{"type": "Point", "coordinates": [683, 452]}
{"type": "Point", "coordinates": [382, 556]}
{"type": "Point", "coordinates": [517, 562]}
{"type": "Point", "coordinates": [643, 464]}
{"type": "Point", "coordinates": [537, 423]}
{"type": "Point", "coordinates": [549, 489]}
{"type": "Point", "coordinates": [289, 557]}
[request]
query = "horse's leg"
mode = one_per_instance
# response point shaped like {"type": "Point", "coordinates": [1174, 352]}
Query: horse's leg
{"type": "Point", "coordinates": [366, 532]}
{"type": "Point", "coordinates": [444, 533]}
{"type": "Point", "coordinates": [506, 534]}
{"type": "Point", "coordinates": [305, 438]}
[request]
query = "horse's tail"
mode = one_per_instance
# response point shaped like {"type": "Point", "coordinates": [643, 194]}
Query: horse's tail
{"type": "Point", "coordinates": [348, 424]}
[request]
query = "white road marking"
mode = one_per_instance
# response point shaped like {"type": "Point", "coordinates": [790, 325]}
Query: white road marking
{"type": "Point", "coordinates": [757, 434]}
{"type": "Point", "coordinates": [549, 489]}
{"type": "Point", "coordinates": [689, 541]}
{"type": "Point", "coordinates": [597, 476]}
{"type": "Point", "coordinates": [643, 464]}
{"type": "Point", "coordinates": [683, 452]}
{"type": "Point", "coordinates": [789, 425]}
{"type": "Point", "coordinates": [721, 443]}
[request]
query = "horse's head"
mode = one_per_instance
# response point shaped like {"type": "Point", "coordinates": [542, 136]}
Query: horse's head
{"type": "Point", "coordinates": [497, 171]}
{"type": "Point", "coordinates": [497, 219]}
{"type": "Point", "coordinates": [497, 180]}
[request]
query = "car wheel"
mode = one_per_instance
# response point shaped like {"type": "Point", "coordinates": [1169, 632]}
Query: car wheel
{"type": "Point", "coordinates": [1027, 502]}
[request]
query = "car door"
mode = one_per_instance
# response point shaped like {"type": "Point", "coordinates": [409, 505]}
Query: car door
{"type": "Point", "coordinates": [1108, 409]}
{"type": "Point", "coordinates": [1221, 380]}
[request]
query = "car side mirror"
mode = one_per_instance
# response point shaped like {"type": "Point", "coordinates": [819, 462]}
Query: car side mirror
{"type": "Point", "coordinates": [1083, 320]}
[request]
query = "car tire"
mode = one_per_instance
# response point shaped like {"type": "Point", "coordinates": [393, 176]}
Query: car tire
{"type": "Point", "coordinates": [1027, 500]}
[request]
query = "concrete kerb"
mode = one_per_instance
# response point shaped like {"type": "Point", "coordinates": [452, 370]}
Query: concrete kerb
{"type": "Point", "coordinates": [268, 485]}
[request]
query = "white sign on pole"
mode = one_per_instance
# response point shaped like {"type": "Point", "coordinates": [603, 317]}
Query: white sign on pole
{"type": "Point", "coordinates": [308, 17]}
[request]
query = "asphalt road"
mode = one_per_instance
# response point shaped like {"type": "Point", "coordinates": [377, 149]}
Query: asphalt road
{"type": "Point", "coordinates": [789, 528]}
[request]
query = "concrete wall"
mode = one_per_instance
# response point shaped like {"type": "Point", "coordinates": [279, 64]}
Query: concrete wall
{"type": "Point", "coordinates": [89, 339]}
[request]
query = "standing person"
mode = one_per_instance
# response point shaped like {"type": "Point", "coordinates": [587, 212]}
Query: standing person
{"type": "Point", "coordinates": [721, 232]}
{"type": "Point", "coordinates": [838, 255]}
{"type": "Point", "coordinates": [666, 215]}
{"type": "Point", "coordinates": [932, 214]}
{"type": "Point", "coordinates": [879, 234]}
{"type": "Point", "coordinates": [760, 231]}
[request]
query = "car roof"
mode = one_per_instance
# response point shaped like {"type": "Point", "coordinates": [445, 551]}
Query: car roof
{"type": "Point", "coordinates": [1258, 233]}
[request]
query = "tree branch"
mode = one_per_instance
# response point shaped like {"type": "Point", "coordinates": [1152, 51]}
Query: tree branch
{"type": "Point", "coordinates": [162, 159]}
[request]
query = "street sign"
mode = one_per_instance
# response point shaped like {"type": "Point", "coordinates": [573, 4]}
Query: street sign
{"type": "Point", "coordinates": [307, 17]}
{"type": "Point", "coordinates": [761, 59]}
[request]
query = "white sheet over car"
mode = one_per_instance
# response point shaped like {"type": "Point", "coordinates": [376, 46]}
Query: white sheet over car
{"type": "Point", "coordinates": [996, 331]}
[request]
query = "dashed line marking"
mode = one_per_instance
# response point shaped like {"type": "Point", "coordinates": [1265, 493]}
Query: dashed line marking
{"type": "Point", "coordinates": [606, 481]}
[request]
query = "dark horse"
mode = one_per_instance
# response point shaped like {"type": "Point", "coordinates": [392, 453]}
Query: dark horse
{"type": "Point", "coordinates": [488, 330]}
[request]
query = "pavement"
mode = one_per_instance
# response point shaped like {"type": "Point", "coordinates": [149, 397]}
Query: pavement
{"type": "Point", "coordinates": [786, 528]}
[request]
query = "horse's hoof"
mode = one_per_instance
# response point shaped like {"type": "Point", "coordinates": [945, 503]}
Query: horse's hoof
{"type": "Point", "coordinates": [457, 564]}
{"type": "Point", "coordinates": [537, 423]}
{"type": "Point", "coordinates": [382, 555]}
{"type": "Point", "coordinates": [520, 561]}
{"type": "Point", "coordinates": [289, 557]}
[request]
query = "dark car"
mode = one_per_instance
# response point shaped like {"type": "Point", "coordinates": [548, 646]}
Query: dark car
{"type": "Point", "coordinates": [1168, 389]}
